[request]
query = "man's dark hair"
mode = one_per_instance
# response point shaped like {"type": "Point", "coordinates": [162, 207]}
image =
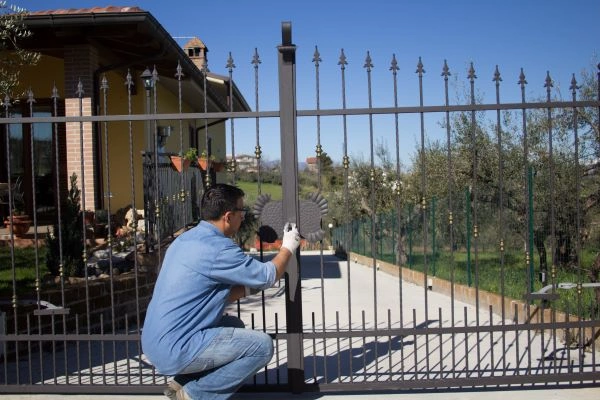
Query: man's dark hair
{"type": "Point", "coordinates": [218, 199]}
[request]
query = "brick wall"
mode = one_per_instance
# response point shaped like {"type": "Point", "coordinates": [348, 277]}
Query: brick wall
{"type": "Point", "coordinates": [80, 63]}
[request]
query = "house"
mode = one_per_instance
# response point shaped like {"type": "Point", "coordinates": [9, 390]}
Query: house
{"type": "Point", "coordinates": [245, 162]}
{"type": "Point", "coordinates": [82, 49]}
{"type": "Point", "coordinates": [312, 164]}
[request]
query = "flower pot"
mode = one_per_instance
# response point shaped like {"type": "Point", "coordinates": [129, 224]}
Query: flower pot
{"type": "Point", "coordinates": [179, 163]}
{"type": "Point", "coordinates": [203, 163]}
{"type": "Point", "coordinates": [20, 224]}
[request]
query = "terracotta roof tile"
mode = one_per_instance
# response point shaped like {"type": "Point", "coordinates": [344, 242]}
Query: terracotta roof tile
{"type": "Point", "coordinates": [93, 10]}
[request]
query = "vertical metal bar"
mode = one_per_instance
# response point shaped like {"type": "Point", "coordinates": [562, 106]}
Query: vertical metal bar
{"type": "Point", "coordinates": [316, 60]}
{"type": "Point", "coordinates": [491, 317]}
{"type": "Point", "coordinates": [364, 343]}
{"type": "Point", "coordinates": [80, 93]}
{"type": "Point", "coordinates": [580, 343]}
{"type": "Point", "coordinates": [78, 347]}
{"type": "Point", "coordinates": [53, 333]}
{"type": "Point", "coordinates": [389, 355]}
{"type": "Point", "coordinates": [102, 356]}
{"type": "Point", "coordinates": [516, 323]}
{"type": "Point", "coordinates": [348, 229]}
{"type": "Point", "coordinates": [544, 273]}
{"type": "Point", "coordinates": [138, 322]}
{"type": "Point", "coordinates": [54, 96]}
{"type": "Point", "coordinates": [104, 88]}
{"type": "Point", "coordinates": [441, 336]}
{"type": "Point", "coordinates": [182, 204]}
{"type": "Point", "coordinates": [474, 204]}
{"type": "Point", "coordinates": [127, 355]}
{"type": "Point", "coordinates": [368, 66]}
{"type": "Point", "coordinates": [14, 303]}
{"type": "Point", "coordinates": [230, 66]}
{"type": "Point", "coordinates": [501, 231]}
{"type": "Point", "coordinates": [290, 206]}
{"type": "Point", "coordinates": [29, 352]}
{"type": "Point", "coordinates": [450, 176]}
{"type": "Point", "coordinates": [257, 150]}
{"type": "Point", "coordinates": [420, 71]}
{"type": "Point", "coordinates": [278, 375]}
{"type": "Point", "coordinates": [157, 199]}
{"type": "Point", "coordinates": [314, 347]}
{"type": "Point", "coordinates": [466, 323]}
{"type": "Point", "coordinates": [339, 349]}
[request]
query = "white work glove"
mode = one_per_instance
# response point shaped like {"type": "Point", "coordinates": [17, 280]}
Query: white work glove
{"type": "Point", "coordinates": [291, 237]}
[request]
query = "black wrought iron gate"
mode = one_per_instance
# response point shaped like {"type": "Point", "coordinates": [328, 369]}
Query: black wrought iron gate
{"type": "Point", "coordinates": [358, 320]}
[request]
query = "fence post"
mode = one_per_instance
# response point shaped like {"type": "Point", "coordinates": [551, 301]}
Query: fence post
{"type": "Point", "coordinates": [290, 206]}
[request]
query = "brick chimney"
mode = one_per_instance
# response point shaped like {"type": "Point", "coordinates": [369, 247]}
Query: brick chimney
{"type": "Point", "coordinates": [196, 51]}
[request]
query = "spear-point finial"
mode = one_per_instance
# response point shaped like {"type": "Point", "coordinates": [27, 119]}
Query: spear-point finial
{"type": "Point", "coordinates": [54, 92]}
{"type": "Point", "coordinates": [420, 70]}
{"type": "Point", "coordinates": [80, 90]}
{"type": "Point", "coordinates": [230, 65]}
{"type": "Point", "coordinates": [471, 73]}
{"type": "Point", "coordinates": [573, 86]}
{"type": "Point", "coordinates": [522, 80]}
{"type": "Point", "coordinates": [342, 61]}
{"type": "Point", "coordinates": [368, 64]}
{"type": "Point", "coordinates": [445, 70]}
{"type": "Point", "coordinates": [256, 58]}
{"type": "Point", "coordinates": [179, 71]}
{"type": "Point", "coordinates": [155, 75]}
{"type": "Point", "coordinates": [104, 83]}
{"type": "Point", "coordinates": [497, 77]}
{"type": "Point", "coordinates": [128, 80]}
{"type": "Point", "coordinates": [30, 98]}
{"type": "Point", "coordinates": [316, 57]}
{"type": "Point", "coordinates": [394, 65]}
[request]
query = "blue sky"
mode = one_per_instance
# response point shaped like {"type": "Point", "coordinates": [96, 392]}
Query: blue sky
{"type": "Point", "coordinates": [536, 35]}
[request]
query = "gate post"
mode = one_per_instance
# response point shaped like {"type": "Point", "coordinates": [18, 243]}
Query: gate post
{"type": "Point", "coordinates": [290, 207]}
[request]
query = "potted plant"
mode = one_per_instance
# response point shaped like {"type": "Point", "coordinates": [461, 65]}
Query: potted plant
{"type": "Point", "coordinates": [181, 162]}
{"type": "Point", "coordinates": [21, 222]}
{"type": "Point", "coordinates": [203, 161]}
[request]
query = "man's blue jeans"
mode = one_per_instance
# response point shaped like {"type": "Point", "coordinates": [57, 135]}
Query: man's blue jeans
{"type": "Point", "coordinates": [233, 355]}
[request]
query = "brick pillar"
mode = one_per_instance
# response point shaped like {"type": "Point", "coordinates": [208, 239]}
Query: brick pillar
{"type": "Point", "coordinates": [80, 63]}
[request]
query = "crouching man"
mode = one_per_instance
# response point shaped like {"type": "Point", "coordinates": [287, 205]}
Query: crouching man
{"type": "Point", "coordinates": [185, 333]}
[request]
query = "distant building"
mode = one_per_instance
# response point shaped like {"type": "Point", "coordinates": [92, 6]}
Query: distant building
{"type": "Point", "coordinates": [245, 162]}
{"type": "Point", "coordinates": [312, 164]}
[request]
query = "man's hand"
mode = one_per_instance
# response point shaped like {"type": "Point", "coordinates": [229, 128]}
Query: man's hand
{"type": "Point", "coordinates": [291, 237]}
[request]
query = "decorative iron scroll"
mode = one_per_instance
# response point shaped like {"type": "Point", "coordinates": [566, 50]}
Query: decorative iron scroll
{"type": "Point", "coordinates": [269, 212]}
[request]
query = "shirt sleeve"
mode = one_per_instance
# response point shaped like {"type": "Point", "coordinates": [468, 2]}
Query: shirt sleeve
{"type": "Point", "coordinates": [234, 267]}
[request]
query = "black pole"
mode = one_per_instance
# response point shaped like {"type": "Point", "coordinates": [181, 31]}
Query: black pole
{"type": "Point", "coordinates": [290, 207]}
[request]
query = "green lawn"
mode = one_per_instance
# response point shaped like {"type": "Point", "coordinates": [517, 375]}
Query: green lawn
{"type": "Point", "coordinates": [25, 269]}
{"type": "Point", "coordinates": [488, 276]}
{"type": "Point", "coordinates": [251, 190]}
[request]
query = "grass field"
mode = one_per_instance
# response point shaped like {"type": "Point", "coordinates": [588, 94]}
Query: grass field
{"type": "Point", "coordinates": [25, 269]}
{"type": "Point", "coordinates": [251, 190]}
